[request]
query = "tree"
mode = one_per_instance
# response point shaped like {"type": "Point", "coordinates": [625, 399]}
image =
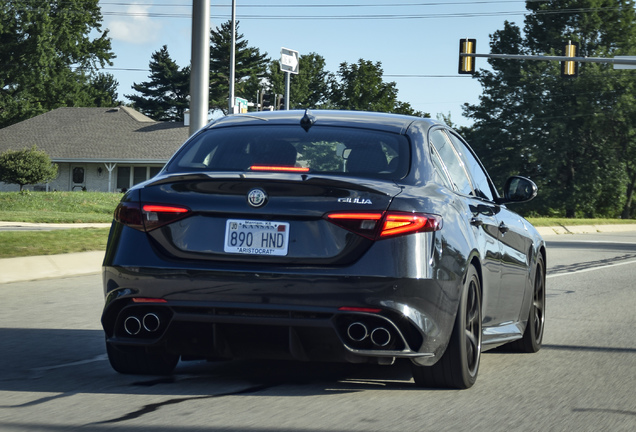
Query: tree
{"type": "Point", "coordinates": [570, 135]}
{"type": "Point", "coordinates": [250, 67]}
{"type": "Point", "coordinates": [50, 51]}
{"type": "Point", "coordinates": [24, 167]}
{"type": "Point", "coordinates": [360, 86]}
{"type": "Point", "coordinates": [166, 96]}
{"type": "Point", "coordinates": [309, 88]}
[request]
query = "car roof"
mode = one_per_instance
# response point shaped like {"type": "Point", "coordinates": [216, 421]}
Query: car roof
{"type": "Point", "coordinates": [395, 123]}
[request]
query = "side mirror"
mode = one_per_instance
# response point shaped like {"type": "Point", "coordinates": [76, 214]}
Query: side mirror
{"type": "Point", "coordinates": [517, 190]}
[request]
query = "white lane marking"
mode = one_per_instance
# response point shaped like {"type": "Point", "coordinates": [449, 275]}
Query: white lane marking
{"type": "Point", "coordinates": [590, 269]}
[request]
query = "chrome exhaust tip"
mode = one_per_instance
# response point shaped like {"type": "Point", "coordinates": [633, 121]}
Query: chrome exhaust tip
{"type": "Point", "coordinates": [380, 337]}
{"type": "Point", "coordinates": [151, 322]}
{"type": "Point", "coordinates": [132, 325]}
{"type": "Point", "coordinates": [357, 332]}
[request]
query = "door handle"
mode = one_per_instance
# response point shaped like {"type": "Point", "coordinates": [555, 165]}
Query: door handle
{"type": "Point", "coordinates": [503, 228]}
{"type": "Point", "coordinates": [476, 222]}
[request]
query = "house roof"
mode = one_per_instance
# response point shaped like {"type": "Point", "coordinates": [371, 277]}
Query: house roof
{"type": "Point", "coordinates": [96, 134]}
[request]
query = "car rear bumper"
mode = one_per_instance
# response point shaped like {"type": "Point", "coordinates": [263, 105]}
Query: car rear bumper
{"type": "Point", "coordinates": [299, 316]}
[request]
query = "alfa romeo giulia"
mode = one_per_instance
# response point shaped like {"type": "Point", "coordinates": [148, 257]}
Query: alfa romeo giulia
{"type": "Point", "coordinates": [323, 236]}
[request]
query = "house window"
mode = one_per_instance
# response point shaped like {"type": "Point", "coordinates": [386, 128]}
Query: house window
{"type": "Point", "coordinates": [139, 174]}
{"type": "Point", "coordinates": [78, 175]}
{"type": "Point", "coordinates": [123, 178]}
{"type": "Point", "coordinates": [131, 175]}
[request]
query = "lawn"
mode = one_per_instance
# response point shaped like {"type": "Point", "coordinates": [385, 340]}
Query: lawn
{"type": "Point", "coordinates": [58, 207]}
{"type": "Point", "coordinates": [55, 207]}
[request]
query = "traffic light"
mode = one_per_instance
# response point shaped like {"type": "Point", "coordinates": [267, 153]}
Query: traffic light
{"type": "Point", "coordinates": [467, 64]}
{"type": "Point", "coordinates": [266, 101]}
{"type": "Point", "coordinates": [570, 68]}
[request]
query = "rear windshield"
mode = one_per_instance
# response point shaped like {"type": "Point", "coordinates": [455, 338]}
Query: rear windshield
{"type": "Point", "coordinates": [323, 149]}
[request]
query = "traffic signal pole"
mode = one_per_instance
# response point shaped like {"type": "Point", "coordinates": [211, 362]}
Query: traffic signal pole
{"type": "Point", "coordinates": [614, 61]}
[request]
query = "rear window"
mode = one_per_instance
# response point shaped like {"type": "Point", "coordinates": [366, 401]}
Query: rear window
{"type": "Point", "coordinates": [328, 150]}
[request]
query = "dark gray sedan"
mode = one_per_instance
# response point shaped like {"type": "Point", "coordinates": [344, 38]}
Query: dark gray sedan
{"type": "Point", "coordinates": [323, 236]}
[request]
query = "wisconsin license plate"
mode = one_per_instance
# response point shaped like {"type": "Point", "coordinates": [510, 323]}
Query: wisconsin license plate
{"type": "Point", "coordinates": [256, 237]}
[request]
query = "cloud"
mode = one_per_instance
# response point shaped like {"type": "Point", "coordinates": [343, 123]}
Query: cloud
{"type": "Point", "coordinates": [136, 27]}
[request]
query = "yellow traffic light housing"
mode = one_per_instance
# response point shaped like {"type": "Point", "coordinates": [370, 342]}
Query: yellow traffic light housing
{"type": "Point", "coordinates": [467, 64]}
{"type": "Point", "coordinates": [570, 68]}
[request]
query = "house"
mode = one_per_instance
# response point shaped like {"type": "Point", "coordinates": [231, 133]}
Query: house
{"type": "Point", "coordinates": [96, 149]}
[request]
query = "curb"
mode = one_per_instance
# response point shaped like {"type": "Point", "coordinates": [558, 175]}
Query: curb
{"type": "Point", "coordinates": [585, 229]}
{"type": "Point", "coordinates": [50, 266]}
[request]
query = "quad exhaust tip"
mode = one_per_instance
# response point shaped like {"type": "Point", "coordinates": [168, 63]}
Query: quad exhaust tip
{"type": "Point", "coordinates": [150, 323]}
{"type": "Point", "coordinates": [379, 336]}
{"type": "Point", "coordinates": [357, 331]}
{"type": "Point", "coordinates": [132, 325]}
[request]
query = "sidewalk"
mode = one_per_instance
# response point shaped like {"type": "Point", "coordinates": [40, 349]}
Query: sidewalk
{"type": "Point", "coordinates": [74, 264]}
{"type": "Point", "coordinates": [50, 266]}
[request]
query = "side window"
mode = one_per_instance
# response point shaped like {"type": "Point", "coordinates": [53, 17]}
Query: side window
{"type": "Point", "coordinates": [475, 170]}
{"type": "Point", "coordinates": [452, 161]}
{"type": "Point", "coordinates": [441, 169]}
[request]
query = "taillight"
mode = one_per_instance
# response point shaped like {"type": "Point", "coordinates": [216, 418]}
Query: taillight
{"type": "Point", "coordinates": [129, 214]}
{"type": "Point", "coordinates": [380, 225]}
{"type": "Point", "coordinates": [147, 217]}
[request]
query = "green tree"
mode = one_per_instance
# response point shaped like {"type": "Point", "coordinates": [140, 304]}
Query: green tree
{"type": "Point", "coordinates": [359, 86]}
{"type": "Point", "coordinates": [250, 67]}
{"type": "Point", "coordinates": [50, 51]}
{"type": "Point", "coordinates": [166, 96]}
{"type": "Point", "coordinates": [309, 88]}
{"type": "Point", "coordinates": [568, 134]}
{"type": "Point", "coordinates": [25, 167]}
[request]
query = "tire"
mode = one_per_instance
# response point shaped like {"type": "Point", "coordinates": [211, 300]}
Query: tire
{"type": "Point", "coordinates": [533, 334]}
{"type": "Point", "coordinates": [138, 361]}
{"type": "Point", "coordinates": [459, 364]}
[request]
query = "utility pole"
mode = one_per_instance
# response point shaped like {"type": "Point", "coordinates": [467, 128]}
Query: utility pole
{"type": "Point", "coordinates": [232, 59]}
{"type": "Point", "coordinates": [200, 74]}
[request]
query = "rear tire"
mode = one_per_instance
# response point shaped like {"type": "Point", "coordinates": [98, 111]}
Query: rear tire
{"type": "Point", "coordinates": [459, 364]}
{"type": "Point", "coordinates": [138, 361]}
{"type": "Point", "coordinates": [533, 334]}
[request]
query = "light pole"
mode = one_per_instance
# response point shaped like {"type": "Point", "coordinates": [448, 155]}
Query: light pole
{"type": "Point", "coordinates": [232, 60]}
{"type": "Point", "coordinates": [200, 75]}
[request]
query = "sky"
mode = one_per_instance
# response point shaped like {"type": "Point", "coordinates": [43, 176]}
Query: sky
{"type": "Point", "coordinates": [416, 41]}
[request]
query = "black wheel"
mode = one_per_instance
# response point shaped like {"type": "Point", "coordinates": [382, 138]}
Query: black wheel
{"type": "Point", "coordinates": [459, 364]}
{"type": "Point", "coordinates": [533, 335]}
{"type": "Point", "coordinates": [138, 361]}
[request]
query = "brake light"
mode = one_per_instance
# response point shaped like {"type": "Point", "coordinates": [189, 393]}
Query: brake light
{"type": "Point", "coordinates": [365, 224]}
{"type": "Point", "coordinates": [380, 225]}
{"type": "Point", "coordinates": [147, 217]}
{"type": "Point", "coordinates": [279, 168]}
{"type": "Point", "coordinates": [359, 309]}
{"type": "Point", "coordinates": [406, 223]}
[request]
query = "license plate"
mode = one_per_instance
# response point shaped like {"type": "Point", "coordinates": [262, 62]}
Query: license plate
{"type": "Point", "coordinates": [256, 237]}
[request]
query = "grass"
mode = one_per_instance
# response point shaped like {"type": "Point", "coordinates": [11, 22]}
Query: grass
{"type": "Point", "coordinates": [58, 207]}
{"type": "Point", "coordinates": [55, 207]}
{"type": "Point", "coordinates": [29, 243]}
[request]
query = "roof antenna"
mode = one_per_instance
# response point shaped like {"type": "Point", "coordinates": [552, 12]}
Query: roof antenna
{"type": "Point", "coordinates": [308, 120]}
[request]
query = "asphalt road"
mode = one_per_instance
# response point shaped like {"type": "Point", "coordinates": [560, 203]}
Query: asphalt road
{"type": "Point", "coordinates": [54, 375]}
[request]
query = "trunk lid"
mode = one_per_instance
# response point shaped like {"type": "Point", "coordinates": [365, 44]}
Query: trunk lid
{"type": "Point", "coordinates": [265, 217]}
